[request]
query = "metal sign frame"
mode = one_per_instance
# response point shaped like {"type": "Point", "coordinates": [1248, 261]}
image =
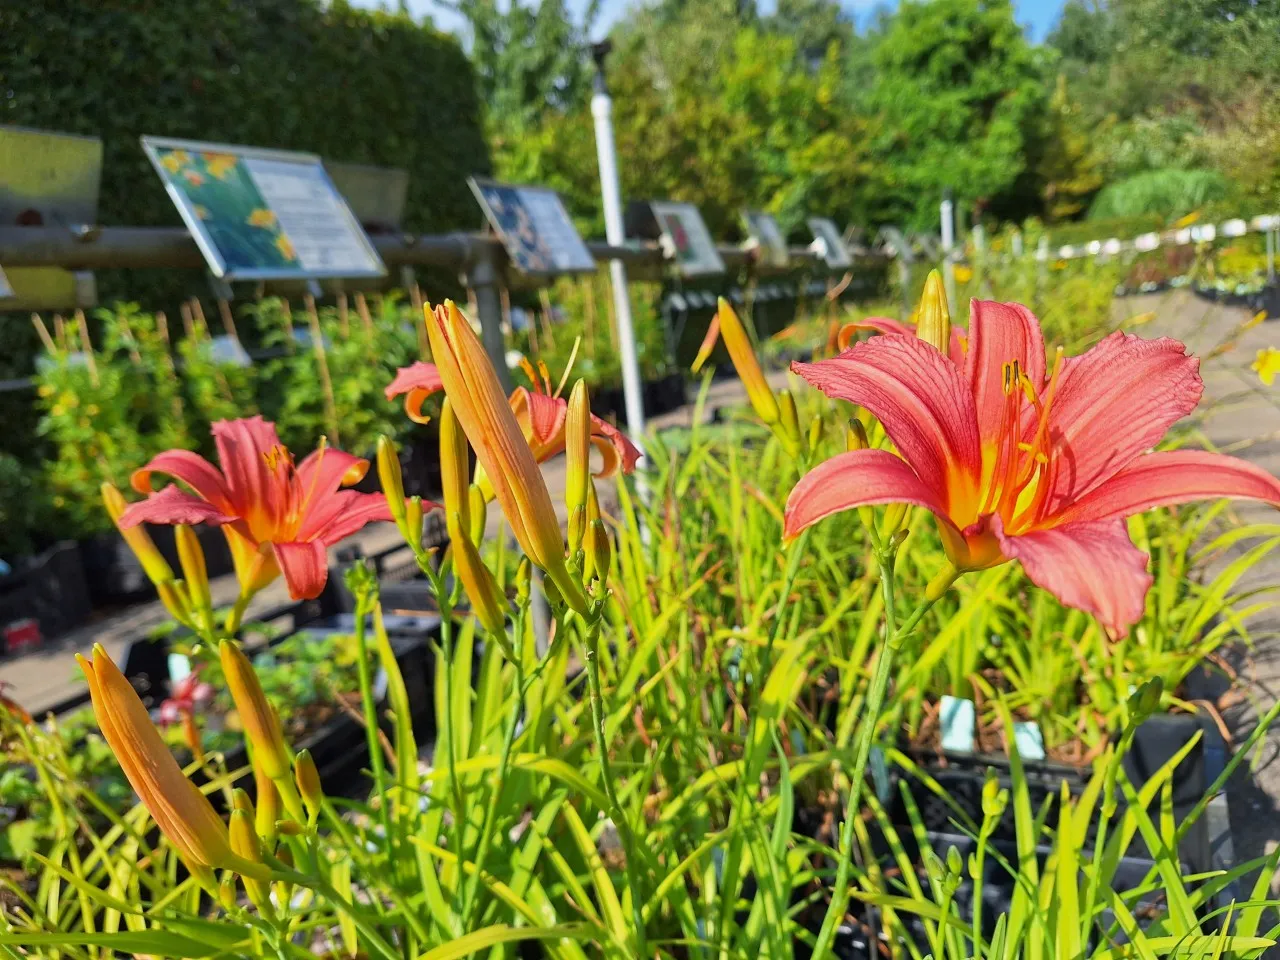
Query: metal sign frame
{"type": "Point", "coordinates": [764, 229]}
{"type": "Point", "coordinates": [524, 255]}
{"type": "Point", "coordinates": [705, 260]}
{"type": "Point", "coordinates": [213, 256]}
{"type": "Point", "coordinates": [829, 243]}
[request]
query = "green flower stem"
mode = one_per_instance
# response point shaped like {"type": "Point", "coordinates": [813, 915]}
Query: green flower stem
{"type": "Point", "coordinates": [364, 607]}
{"type": "Point", "coordinates": [495, 797]}
{"type": "Point", "coordinates": [894, 634]}
{"type": "Point", "coordinates": [236, 616]}
{"type": "Point", "coordinates": [445, 602]}
{"type": "Point", "coordinates": [610, 791]}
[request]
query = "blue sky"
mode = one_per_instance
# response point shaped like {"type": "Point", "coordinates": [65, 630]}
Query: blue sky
{"type": "Point", "coordinates": [1038, 16]}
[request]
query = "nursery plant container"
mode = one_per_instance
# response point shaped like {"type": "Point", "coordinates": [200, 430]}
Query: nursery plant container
{"type": "Point", "coordinates": [660, 396]}
{"type": "Point", "coordinates": [419, 465]}
{"type": "Point", "coordinates": [49, 588]}
{"type": "Point", "coordinates": [961, 777]}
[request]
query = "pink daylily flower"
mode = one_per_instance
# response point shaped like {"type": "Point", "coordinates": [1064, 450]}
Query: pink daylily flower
{"type": "Point", "coordinates": [886, 325]}
{"type": "Point", "coordinates": [1020, 461]}
{"type": "Point", "coordinates": [541, 417]}
{"type": "Point", "coordinates": [276, 517]}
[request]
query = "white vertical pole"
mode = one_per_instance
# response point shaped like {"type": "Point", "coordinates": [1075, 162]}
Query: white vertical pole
{"type": "Point", "coordinates": [947, 213]}
{"type": "Point", "coordinates": [611, 195]}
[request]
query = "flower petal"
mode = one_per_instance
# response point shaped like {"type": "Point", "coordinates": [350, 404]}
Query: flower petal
{"type": "Point", "coordinates": [191, 468]}
{"type": "Point", "coordinates": [343, 513]}
{"type": "Point", "coordinates": [419, 380]}
{"type": "Point", "coordinates": [305, 565]}
{"type": "Point", "coordinates": [326, 469]}
{"type": "Point", "coordinates": [854, 479]}
{"type": "Point", "coordinates": [542, 421]}
{"type": "Point", "coordinates": [708, 343]}
{"type": "Point", "coordinates": [1000, 333]}
{"type": "Point", "coordinates": [1173, 476]}
{"type": "Point", "coordinates": [242, 448]}
{"type": "Point", "coordinates": [172, 505]}
{"type": "Point", "coordinates": [1112, 403]}
{"type": "Point", "coordinates": [923, 402]}
{"type": "Point", "coordinates": [1092, 566]}
{"type": "Point", "coordinates": [955, 349]}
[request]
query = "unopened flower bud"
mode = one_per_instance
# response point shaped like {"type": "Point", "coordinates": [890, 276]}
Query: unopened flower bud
{"type": "Point", "coordinates": [413, 523]}
{"type": "Point", "coordinates": [240, 800]}
{"type": "Point", "coordinates": [454, 471]}
{"type": "Point", "coordinates": [194, 572]}
{"type": "Point", "coordinates": [308, 780]}
{"type": "Point", "coordinates": [789, 420]}
{"type": "Point", "coordinates": [815, 434]}
{"type": "Point", "coordinates": [227, 892]}
{"type": "Point", "coordinates": [524, 580]}
{"type": "Point", "coordinates": [933, 324]}
{"type": "Point", "coordinates": [268, 806]}
{"type": "Point", "coordinates": [392, 480]}
{"type": "Point", "coordinates": [478, 511]}
{"type": "Point", "coordinates": [577, 460]}
{"type": "Point", "coordinates": [137, 538]}
{"type": "Point", "coordinates": [855, 437]}
{"type": "Point", "coordinates": [260, 723]}
{"type": "Point", "coordinates": [487, 602]}
{"type": "Point", "coordinates": [597, 552]}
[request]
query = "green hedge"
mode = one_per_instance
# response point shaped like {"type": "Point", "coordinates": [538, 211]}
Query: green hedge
{"type": "Point", "coordinates": [352, 85]}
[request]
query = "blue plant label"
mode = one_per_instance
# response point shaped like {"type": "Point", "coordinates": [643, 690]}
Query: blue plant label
{"type": "Point", "coordinates": [958, 718]}
{"type": "Point", "coordinates": [1028, 739]}
{"type": "Point", "coordinates": [179, 667]}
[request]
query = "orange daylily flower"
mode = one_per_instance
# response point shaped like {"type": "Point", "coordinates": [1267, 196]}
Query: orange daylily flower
{"type": "Point", "coordinates": [540, 414]}
{"type": "Point", "coordinates": [277, 517]}
{"type": "Point", "coordinates": [1020, 460]}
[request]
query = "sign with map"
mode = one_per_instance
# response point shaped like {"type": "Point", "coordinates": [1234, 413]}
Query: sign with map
{"type": "Point", "coordinates": [534, 228]}
{"type": "Point", "coordinates": [766, 232]}
{"type": "Point", "coordinates": [685, 239]}
{"type": "Point", "coordinates": [260, 214]}
{"type": "Point", "coordinates": [829, 244]}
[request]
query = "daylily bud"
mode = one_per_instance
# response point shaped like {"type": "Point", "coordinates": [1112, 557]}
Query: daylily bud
{"type": "Point", "coordinates": [175, 601]}
{"type": "Point", "coordinates": [490, 425]}
{"type": "Point", "coordinates": [454, 472]}
{"type": "Point", "coordinates": [894, 514]}
{"type": "Point", "coordinates": [577, 455]}
{"type": "Point", "coordinates": [137, 538]}
{"type": "Point", "coordinates": [479, 514]}
{"type": "Point", "coordinates": [1144, 701]}
{"type": "Point", "coordinates": [413, 523]}
{"type": "Point", "coordinates": [744, 361]}
{"type": "Point", "coordinates": [240, 800]}
{"type": "Point", "coordinates": [855, 437]}
{"type": "Point", "coordinates": [194, 572]}
{"type": "Point", "coordinates": [487, 602]}
{"type": "Point", "coordinates": [308, 779]}
{"type": "Point", "coordinates": [183, 814]}
{"type": "Point", "coordinates": [789, 419]}
{"type": "Point", "coordinates": [933, 325]}
{"type": "Point", "coordinates": [245, 842]}
{"type": "Point", "coordinates": [290, 828]}
{"type": "Point", "coordinates": [524, 580]}
{"type": "Point", "coordinates": [191, 736]}
{"type": "Point", "coordinates": [597, 552]}
{"type": "Point", "coordinates": [994, 799]}
{"type": "Point", "coordinates": [896, 540]}
{"type": "Point", "coordinates": [268, 807]}
{"type": "Point", "coordinates": [227, 892]}
{"type": "Point", "coordinates": [259, 720]}
{"type": "Point", "coordinates": [391, 479]}
{"type": "Point", "coordinates": [815, 434]}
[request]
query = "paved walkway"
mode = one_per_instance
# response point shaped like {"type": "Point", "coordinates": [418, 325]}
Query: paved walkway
{"type": "Point", "coordinates": [1241, 416]}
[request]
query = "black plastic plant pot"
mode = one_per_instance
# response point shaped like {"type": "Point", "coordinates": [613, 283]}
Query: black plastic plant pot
{"type": "Point", "coordinates": [961, 777]}
{"type": "Point", "coordinates": [50, 589]}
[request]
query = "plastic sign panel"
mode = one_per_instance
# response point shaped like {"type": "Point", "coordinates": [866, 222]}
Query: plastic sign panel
{"type": "Point", "coordinates": [685, 239]}
{"type": "Point", "coordinates": [48, 180]}
{"type": "Point", "coordinates": [6, 291]}
{"type": "Point", "coordinates": [766, 232]}
{"type": "Point", "coordinates": [260, 214]}
{"type": "Point", "coordinates": [829, 244]}
{"type": "Point", "coordinates": [534, 228]}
